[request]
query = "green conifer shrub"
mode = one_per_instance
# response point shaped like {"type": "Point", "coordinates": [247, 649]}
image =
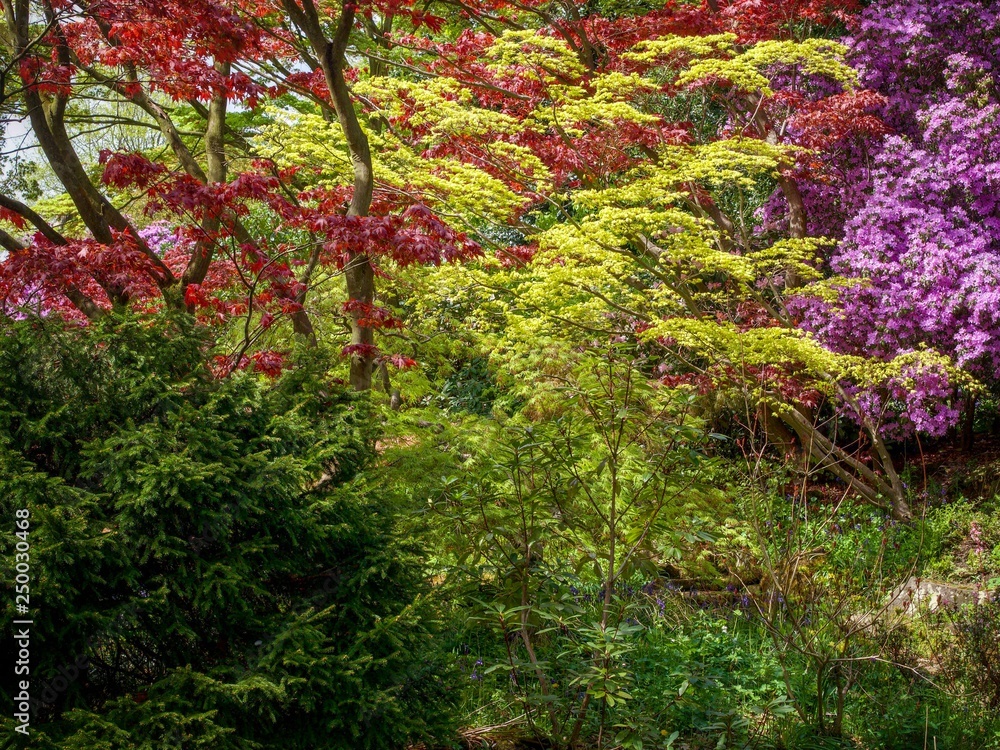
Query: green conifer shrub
{"type": "Point", "coordinates": [207, 568]}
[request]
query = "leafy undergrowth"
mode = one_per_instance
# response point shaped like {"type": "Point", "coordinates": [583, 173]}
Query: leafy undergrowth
{"type": "Point", "coordinates": [737, 664]}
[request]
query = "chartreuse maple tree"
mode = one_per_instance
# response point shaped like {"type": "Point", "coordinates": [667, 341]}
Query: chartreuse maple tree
{"type": "Point", "coordinates": [162, 61]}
{"type": "Point", "coordinates": [648, 237]}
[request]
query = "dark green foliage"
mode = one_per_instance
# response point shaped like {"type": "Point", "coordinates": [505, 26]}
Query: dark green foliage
{"type": "Point", "coordinates": [205, 550]}
{"type": "Point", "coordinates": [471, 388]}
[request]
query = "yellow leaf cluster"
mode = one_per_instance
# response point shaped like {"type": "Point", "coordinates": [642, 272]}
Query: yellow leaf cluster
{"type": "Point", "coordinates": [671, 47]}
{"type": "Point", "coordinates": [443, 105]}
{"type": "Point", "coordinates": [461, 192]}
{"type": "Point", "coordinates": [535, 55]}
{"type": "Point", "coordinates": [747, 71]}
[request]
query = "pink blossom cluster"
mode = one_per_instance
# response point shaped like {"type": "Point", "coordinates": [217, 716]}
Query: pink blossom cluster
{"type": "Point", "coordinates": [918, 211]}
{"type": "Point", "coordinates": [160, 236]}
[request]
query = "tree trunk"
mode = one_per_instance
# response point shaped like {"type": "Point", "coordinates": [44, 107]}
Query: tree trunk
{"type": "Point", "coordinates": [359, 273]}
{"type": "Point", "coordinates": [215, 157]}
{"type": "Point", "coordinates": [360, 277]}
{"type": "Point", "coordinates": [775, 431]}
{"type": "Point", "coordinates": [881, 491]}
{"type": "Point", "coordinates": [46, 114]}
{"type": "Point", "coordinates": [968, 422]}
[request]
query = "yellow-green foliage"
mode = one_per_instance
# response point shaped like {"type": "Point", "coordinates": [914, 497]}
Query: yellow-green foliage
{"type": "Point", "coordinates": [717, 57]}
{"type": "Point", "coordinates": [638, 243]}
{"type": "Point", "coordinates": [610, 102]}
{"type": "Point", "coordinates": [734, 161]}
{"type": "Point", "coordinates": [60, 211]}
{"type": "Point", "coordinates": [798, 256]}
{"type": "Point", "coordinates": [460, 192]}
{"type": "Point", "coordinates": [737, 162]}
{"type": "Point", "coordinates": [755, 347]}
{"type": "Point", "coordinates": [535, 55]}
{"type": "Point", "coordinates": [746, 71]}
{"type": "Point", "coordinates": [443, 104]}
{"type": "Point", "coordinates": [685, 47]}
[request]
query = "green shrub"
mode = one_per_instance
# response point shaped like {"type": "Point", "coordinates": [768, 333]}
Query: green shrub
{"type": "Point", "coordinates": [203, 550]}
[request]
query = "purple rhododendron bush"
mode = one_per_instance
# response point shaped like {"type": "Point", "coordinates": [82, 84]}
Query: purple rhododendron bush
{"type": "Point", "coordinates": [500, 374]}
{"type": "Point", "coordinates": [917, 214]}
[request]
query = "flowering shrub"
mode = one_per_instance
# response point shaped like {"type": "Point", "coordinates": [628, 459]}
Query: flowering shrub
{"type": "Point", "coordinates": [918, 212]}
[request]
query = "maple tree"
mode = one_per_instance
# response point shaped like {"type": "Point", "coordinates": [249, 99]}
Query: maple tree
{"type": "Point", "coordinates": [634, 219]}
{"type": "Point", "coordinates": [149, 56]}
